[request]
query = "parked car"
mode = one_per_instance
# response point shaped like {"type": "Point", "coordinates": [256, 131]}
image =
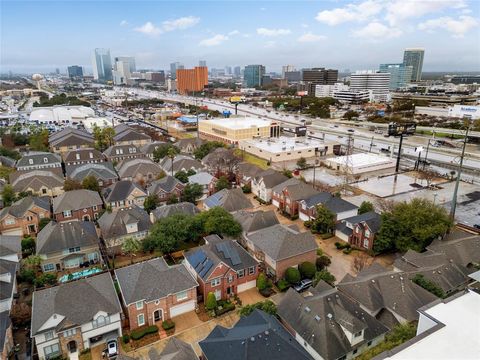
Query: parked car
{"type": "Point", "coordinates": [111, 350]}
{"type": "Point", "coordinates": [303, 285]}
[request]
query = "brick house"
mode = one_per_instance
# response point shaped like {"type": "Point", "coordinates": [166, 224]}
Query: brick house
{"type": "Point", "coordinates": [279, 247]}
{"type": "Point", "coordinates": [152, 291]}
{"type": "Point", "coordinates": [83, 156]}
{"type": "Point", "coordinates": [139, 170]}
{"type": "Point", "coordinates": [206, 181]}
{"type": "Point", "coordinates": [263, 183]}
{"type": "Point", "coordinates": [360, 230]}
{"type": "Point", "coordinates": [342, 209]}
{"type": "Point", "coordinates": [79, 204]}
{"type": "Point", "coordinates": [245, 172]}
{"type": "Point", "coordinates": [103, 172]}
{"type": "Point", "coordinates": [124, 193]}
{"type": "Point", "coordinates": [287, 195]}
{"type": "Point", "coordinates": [23, 216]}
{"type": "Point", "coordinates": [222, 267]}
{"type": "Point", "coordinates": [165, 188]}
{"type": "Point", "coordinates": [70, 139]}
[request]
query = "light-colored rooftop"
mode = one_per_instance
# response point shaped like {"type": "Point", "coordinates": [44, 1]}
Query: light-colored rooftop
{"type": "Point", "coordinates": [283, 143]}
{"type": "Point", "coordinates": [363, 160]}
{"type": "Point", "coordinates": [239, 123]}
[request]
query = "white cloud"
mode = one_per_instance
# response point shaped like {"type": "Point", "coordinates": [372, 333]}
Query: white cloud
{"type": "Point", "coordinates": [309, 37]}
{"type": "Point", "coordinates": [214, 40]}
{"type": "Point", "coordinates": [270, 44]}
{"type": "Point", "coordinates": [272, 32]}
{"type": "Point", "coordinates": [149, 29]}
{"type": "Point", "coordinates": [458, 27]}
{"type": "Point", "coordinates": [234, 32]}
{"type": "Point", "coordinates": [351, 12]}
{"type": "Point", "coordinates": [123, 23]}
{"type": "Point", "coordinates": [304, 26]}
{"type": "Point", "coordinates": [377, 31]}
{"type": "Point", "coordinates": [180, 23]}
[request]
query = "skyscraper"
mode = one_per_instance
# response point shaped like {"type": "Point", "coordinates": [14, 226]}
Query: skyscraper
{"type": "Point", "coordinates": [253, 75]}
{"type": "Point", "coordinates": [400, 75]}
{"type": "Point", "coordinates": [202, 63]}
{"type": "Point", "coordinates": [287, 68]}
{"type": "Point", "coordinates": [414, 57]}
{"type": "Point", "coordinates": [377, 82]}
{"type": "Point", "coordinates": [318, 76]}
{"type": "Point", "coordinates": [228, 70]}
{"type": "Point", "coordinates": [237, 71]}
{"type": "Point", "coordinates": [189, 80]}
{"type": "Point", "coordinates": [123, 68]}
{"type": "Point", "coordinates": [75, 72]}
{"type": "Point", "coordinates": [102, 65]}
{"type": "Point", "coordinates": [173, 69]}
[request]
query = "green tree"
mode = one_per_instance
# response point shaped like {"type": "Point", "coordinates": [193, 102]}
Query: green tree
{"type": "Point", "coordinates": [70, 184]}
{"type": "Point", "coordinates": [191, 193]}
{"type": "Point", "coordinates": [46, 279]}
{"type": "Point", "coordinates": [173, 199]}
{"type": "Point", "coordinates": [32, 262]}
{"type": "Point", "coordinates": [292, 275]}
{"type": "Point", "coordinates": [151, 202]}
{"type": "Point", "coordinates": [324, 275]}
{"type": "Point", "coordinates": [307, 270]}
{"type": "Point", "coordinates": [161, 151]}
{"type": "Point", "coordinates": [28, 245]}
{"type": "Point", "coordinates": [38, 141]}
{"type": "Point", "coordinates": [222, 183]}
{"type": "Point", "coordinates": [429, 285]}
{"type": "Point", "coordinates": [365, 206]}
{"type": "Point", "coordinates": [322, 262]}
{"type": "Point", "coordinates": [324, 221]}
{"type": "Point", "coordinates": [262, 282]}
{"type": "Point", "coordinates": [351, 114]}
{"type": "Point", "coordinates": [302, 163]}
{"type": "Point", "coordinates": [8, 195]}
{"type": "Point", "coordinates": [171, 153]}
{"type": "Point", "coordinates": [5, 172]}
{"type": "Point", "coordinates": [287, 173]}
{"type": "Point", "coordinates": [90, 183]}
{"type": "Point", "coordinates": [130, 247]}
{"type": "Point", "coordinates": [267, 306]}
{"type": "Point", "coordinates": [211, 302]}
{"type": "Point", "coordinates": [206, 148]}
{"type": "Point", "coordinates": [42, 223]}
{"type": "Point", "coordinates": [218, 221]}
{"type": "Point", "coordinates": [182, 176]}
{"type": "Point", "coordinates": [103, 137]}
{"type": "Point", "coordinates": [15, 155]}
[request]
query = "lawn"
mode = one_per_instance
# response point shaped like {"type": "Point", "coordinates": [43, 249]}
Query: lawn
{"type": "Point", "coordinates": [252, 159]}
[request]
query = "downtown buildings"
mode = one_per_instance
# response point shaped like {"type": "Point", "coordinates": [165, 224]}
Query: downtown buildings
{"type": "Point", "coordinates": [318, 76]}
{"type": "Point", "coordinates": [124, 67]}
{"type": "Point", "coordinates": [102, 65]}
{"type": "Point", "coordinates": [414, 57]}
{"type": "Point", "coordinates": [75, 72]}
{"type": "Point", "coordinates": [191, 80]}
{"type": "Point", "coordinates": [400, 74]}
{"type": "Point", "coordinates": [253, 75]}
{"type": "Point", "coordinates": [377, 82]}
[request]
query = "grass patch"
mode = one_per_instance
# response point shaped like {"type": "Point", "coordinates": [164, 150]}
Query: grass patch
{"type": "Point", "coordinates": [252, 159]}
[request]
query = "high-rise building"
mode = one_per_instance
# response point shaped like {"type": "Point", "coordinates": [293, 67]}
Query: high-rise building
{"type": "Point", "coordinates": [102, 65]}
{"type": "Point", "coordinates": [400, 75]}
{"type": "Point", "coordinates": [318, 76]}
{"type": "Point", "coordinates": [173, 69]}
{"type": "Point", "coordinates": [228, 70]}
{"type": "Point", "coordinates": [156, 76]}
{"type": "Point", "coordinates": [287, 68]}
{"type": "Point", "coordinates": [414, 57]}
{"type": "Point", "coordinates": [202, 63]}
{"type": "Point", "coordinates": [57, 71]}
{"type": "Point", "coordinates": [253, 75]}
{"type": "Point", "coordinates": [293, 76]}
{"type": "Point", "coordinates": [237, 71]}
{"type": "Point", "coordinates": [372, 80]}
{"type": "Point", "coordinates": [123, 68]}
{"type": "Point", "coordinates": [189, 80]}
{"type": "Point", "coordinates": [75, 72]}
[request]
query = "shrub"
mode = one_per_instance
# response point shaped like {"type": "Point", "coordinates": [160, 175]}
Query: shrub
{"type": "Point", "coordinates": [307, 269]}
{"type": "Point", "coordinates": [307, 224]}
{"type": "Point", "coordinates": [137, 334]}
{"type": "Point", "coordinates": [324, 275]}
{"type": "Point", "coordinates": [429, 285]}
{"type": "Point", "coordinates": [27, 275]}
{"type": "Point", "coordinates": [322, 262]}
{"type": "Point", "coordinates": [292, 275]}
{"type": "Point", "coordinates": [347, 250]}
{"type": "Point", "coordinates": [246, 189]}
{"type": "Point", "coordinates": [28, 245]}
{"type": "Point", "coordinates": [283, 285]}
{"type": "Point", "coordinates": [168, 325]}
{"type": "Point", "coordinates": [224, 308]}
{"type": "Point", "coordinates": [211, 302]}
{"type": "Point", "coordinates": [267, 306]}
{"type": "Point", "coordinates": [126, 338]}
{"type": "Point", "coordinates": [319, 252]}
{"type": "Point", "coordinates": [262, 283]}
{"type": "Point", "coordinates": [46, 279]}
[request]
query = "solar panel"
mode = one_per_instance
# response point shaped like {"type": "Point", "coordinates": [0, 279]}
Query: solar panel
{"type": "Point", "coordinates": [229, 252]}
{"type": "Point", "coordinates": [196, 258]}
{"type": "Point", "coordinates": [208, 265]}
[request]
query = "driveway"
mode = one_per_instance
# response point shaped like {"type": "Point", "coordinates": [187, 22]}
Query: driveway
{"type": "Point", "coordinates": [186, 321]}
{"type": "Point", "coordinates": [251, 296]}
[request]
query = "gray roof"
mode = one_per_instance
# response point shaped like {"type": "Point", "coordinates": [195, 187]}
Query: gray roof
{"type": "Point", "coordinates": [151, 147]}
{"type": "Point", "coordinates": [179, 208]}
{"type": "Point", "coordinates": [297, 190]}
{"type": "Point", "coordinates": [78, 301]}
{"type": "Point", "coordinates": [180, 163]}
{"type": "Point", "coordinates": [37, 179]}
{"type": "Point", "coordinates": [7, 287]}
{"type": "Point", "coordinates": [281, 242]}
{"type": "Point", "coordinates": [249, 170]}
{"type": "Point", "coordinates": [176, 349]}
{"type": "Point", "coordinates": [113, 224]}
{"type": "Point", "coordinates": [462, 250]}
{"type": "Point", "coordinates": [5, 323]}
{"type": "Point", "coordinates": [183, 144]}
{"type": "Point", "coordinates": [319, 316]}
{"type": "Point", "coordinates": [220, 157]}
{"type": "Point", "coordinates": [76, 200]}
{"type": "Point", "coordinates": [257, 336]}
{"type": "Point", "coordinates": [130, 135]}
{"type": "Point", "coordinates": [6, 161]}
{"type": "Point", "coordinates": [127, 150]}
{"type": "Point", "coordinates": [255, 220]}
{"type": "Point", "coordinates": [10, 244]}
{"type": "Point", "coordinates": [202, 178]}
{"type": "Point", "coordinates": [38, 159]}
{"type": "Point", "coordinates": [101, 171]}
{"type": "Point", "coordinates": [205, 258]}
{"type": "Point", "coordinates": [229, 199]}
{"type": "Point", "coordinates": [271, 178]}
{"type": "Point", "coordinates": [166, 184]}
{"type": "Point", "coordinates": [85, 154]}
{"type": "Point", "coordinates": [20, 207]}
{"type": "Point", "coordinates": [120, 190]}
{"type": "Point", "coordinates": [70, 136]}
{"type": "Point", "coordinates": [132, 167]}
{"type": "Point", "coordinates": [56, 237]}
{"type": "Point", "coordinates": [153, 279]}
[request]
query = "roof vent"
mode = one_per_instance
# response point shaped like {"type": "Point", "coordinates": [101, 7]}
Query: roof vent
{"type": "Point", "coordinates": [266, 332]}
{"type": "Point", "coordinates": [307, 309]}
{"type": "Point", "coordinates": [252, 339]}
{"type": "Point", "coordinates": [317, 317]}
{"type": "Point", "coordinates": [373, 281]}
{"type": "Point", "coordinates": [330, 316]}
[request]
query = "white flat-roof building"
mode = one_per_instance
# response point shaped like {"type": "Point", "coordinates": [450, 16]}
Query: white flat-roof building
{"type": "Point", "coordinates": [61, 114]}
{"type": "Point", "coordinates": [361, 163]}
{"type": "Point", "coordinates": [447, 329]}
{"type": "Point", "coordinates": [285, 148]}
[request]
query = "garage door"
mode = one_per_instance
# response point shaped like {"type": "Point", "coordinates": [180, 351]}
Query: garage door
{"type": "Point", "coordinates": [275, 203]}
{"type": "Point", "coordinates": [183, 308]}
{"type": "Point", "coordinates": [304, 217]}
{"type": "Point", "coordinates": [13, 232]}
{"type": "Point", "coordinates": [246, 286]}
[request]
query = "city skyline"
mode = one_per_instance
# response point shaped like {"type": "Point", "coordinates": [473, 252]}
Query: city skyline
{"type": "Point", "coordinates": [342, 35]}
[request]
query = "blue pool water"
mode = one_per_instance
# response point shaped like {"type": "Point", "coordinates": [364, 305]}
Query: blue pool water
{"type": "Point", "coordinates": [79, 274]}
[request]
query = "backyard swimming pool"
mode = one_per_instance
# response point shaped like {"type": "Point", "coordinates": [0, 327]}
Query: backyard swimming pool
{"type": "Point", "coordinates": [79, 274]}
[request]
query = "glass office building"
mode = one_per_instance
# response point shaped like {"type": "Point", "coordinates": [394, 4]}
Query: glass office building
{"type": "Point", "coordinates": [253, 74]}
{"type": "Point", "coordinates": [102, 65]}
{"type": "Point", "coordinates": [414, 58]}
{"type": "Point", "coordinates": [400, 75]}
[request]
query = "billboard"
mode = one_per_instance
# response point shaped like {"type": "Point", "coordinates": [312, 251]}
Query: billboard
{"type": "Point", "coordinates": [302, 93]}
{"type": "Point", "coordinates": [237, 99]}
{"type": "Point", "coordinates": [395, 129]}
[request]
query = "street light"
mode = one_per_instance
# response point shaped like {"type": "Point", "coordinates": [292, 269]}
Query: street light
{"type": "Point", "coordinates": [314, 168]}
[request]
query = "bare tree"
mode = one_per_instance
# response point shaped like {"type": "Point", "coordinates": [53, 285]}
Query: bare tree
{"type": "Point", "coordinates": [428, 175]}
{"type": "Point", "coordinates": [384, 205]}
{"type": "Point", "coordinates": [360, 261]}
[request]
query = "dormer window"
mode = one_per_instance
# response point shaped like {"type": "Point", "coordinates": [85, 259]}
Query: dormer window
{"type": "Point", "coordinates": [77, 156]}
{"type": "Point", "coordinates": [357, 334]}
{"type": "Point", "coordinates": [30, 161]}
{"type": "Point", "coordinates": [90, 155]}
{"type": "Point", "coordinates": [45, 160]}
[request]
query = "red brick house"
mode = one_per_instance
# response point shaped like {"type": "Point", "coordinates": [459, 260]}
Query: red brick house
{"type": "Point", "coordinates": [84, 205]}
{"type": "Point", "coordinates": [342, 209]}
{"type": "Point", "coordinates": [360, 230]}
{"type": "Point", "coordinates": [152, 291]}
{"type": "Point", "coordinates": [222, 267]}
{"type": "Point", "coordinates": [287, 195]}
{"type": "Point", "coordinates": [24, 215]}
{"type": "Point", "coordinates": [165, 188]}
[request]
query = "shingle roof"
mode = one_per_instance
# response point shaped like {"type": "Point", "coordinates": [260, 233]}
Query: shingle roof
{"type": "Point", "coordinates": [249, 170]}
{"type": "Point", "coordinates": [319, 316]}
{"type": "Point", "coordinates": [120, 190]}
{"type": "Point", "coordinates": [132, 167]}
{"type": "Point", "coordinates": [38, 159]}
{"type": "Point", "coordinates": [7, 287]}
{"type": "Point", "coordinates": [5, 323]}
{"type": "Point", "coordinates": [201, 178]}
{"type": "Point", "coordinates": [229, 199]}
{"type": "Point", "coordinates": [333, 203]}
{"type": "Point", "coordinates": [77, 301]}
{"type": "Point", "coordinates": [271, 178]}
{"type": "Point", "coordinates": [151, 147]}
{"type": "Point", "coordinates": [76, 200]}
{"type": "Point", "coordinates": [179, 208]}
{"type": "Point", "coordinates": [84, 154]}
{"type": "Point", "coordinates": [101, 171]}
{"type": "Point", "coordinates": [176, 349]}
{"type": "Point", "coordinates": [182, 144]}
{"type": "Point", "coordinates": [153, 279]}
{"type": "Point", "coordinates": [167, 184]}
{"type": "Point", "coordinates": [6, 161]}
{"type": "Point", "coordinates": [127, 150]}
{"type": "Point", "coordinates": [36, 180]}
{"type": "Point", "coordinates": [281, 242]}
{"type": "Point", "coordinates": [70, 136]}
{"type": "Point", "coordinates": [113, 224]}
{"type": "Point", "coordinates": [130, 135]}
{"type": "Point", "coordinates": [297, 190]}
{"type": "Point", "coordinates": [255, 220]}
{"type": "Point", "coordinates": [10, 244]}
{"type": "Point", "coordinates": [56, 237]}
{"type": "Point", "coordinates": [257, 336]}
{"type": "Point", "coordinates": [463, 251]}
{"type": "Point", "coordinates": [20, 207]}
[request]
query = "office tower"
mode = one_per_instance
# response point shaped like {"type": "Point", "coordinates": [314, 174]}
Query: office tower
{"type": "Point", "coordinates": [228, 70]}
{"type": "Point", "coordinates": [202, 63]}
{"type": "Point", "coordinates": [173, 69]}
{"type": "Point", "coordinates": [57, 71]}
{"type": "Point", "coordinates": [318, 76]}
{"type": "Point", "coordinates": [293, 76]}
{"type": "Point", "coordinates": [414, 58]}
{"type": "Point", "coordinates": [287, 68]}
{"type": "Point", "coordinates": [190, 80]}
{"type": "Point", "coordinates": [253, 74]}
{"type": "Point", "coordinates": [75, 72]}
{"type": "Point", "coordinates": [102, 65]}
{"type": "Point", "coordinates": [237, 71]}
{"type": "Point", "coordinates": [156, 76]}
{"type": "Point", "coordinates": [123, 68]}
{"type": "Point", "coordinates": [372, 80]}
{"type": "Point", "coordinates": [400, 75]}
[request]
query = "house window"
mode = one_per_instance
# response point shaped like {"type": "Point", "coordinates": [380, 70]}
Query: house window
{"type": "Point", "coordinates": [369, 343]}
{"type": "Point", "coordinates": [48, 267]}
{"type": "Point", "coordinates": [366, 243]}
{"type": "Point", "coordinates": [230, 278]}
{"type": "Point", "coordinates": [355, 351]}
{"type": "Point", "coordinates": [77, 156]}
{"type": "Point", "coordinates": [358, 334]}
{"type": "Point", "coordinates": [49, 335]}
{"type": "Point", "coordinates": [9, 221]}
{"type": "Point", "coordinates": [139, 305]}
{"type": "Point", "coordinates": [215, 282]}
{"type": "Point", "coordinates": [367, 233]}
{"type": "Point", "coordinates": [182, 295]}
{"type": "Point", "coordinates": [141, 319]}
{"type": "Point", "coordinates": [251, 270]}
{"type": "Point", "coordinates": [69, 332]}
{"type": "Point", "coordinates": [74, 250]}
{"type": "Point", "coordinates": [101, 321]}
{"type": "Point", "coordinates": [67, 213]}
{"type": "Point", "coordinates": [30, 161]}
{"type": "Point", "coordinates": [95, 207]}
{"type": "Point", "coordinates": [45, 160]}
{"type": "Point", "coordinates": [51, 351]}
{"type": "Point", "coordinates": [44, 191]}
{"type": "Point", "coordinates": [241, 273]}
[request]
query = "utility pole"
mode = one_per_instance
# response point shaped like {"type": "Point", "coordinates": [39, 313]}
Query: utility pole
{"type": "Point", "coordinates": [428, 145]}
{"type": "Point", "coordinates": [397, 166]}
{"type": "Point", "coordinates": [459, 173]}
{"type": "Point", "coordinates": [371, 144]}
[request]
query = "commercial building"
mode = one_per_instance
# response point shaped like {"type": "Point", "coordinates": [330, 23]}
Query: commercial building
{"type": "Point", "coordinates": [318, 76]}
{"type": "Point", "coordinates": [253, 74]}
{"type": "Point", "coordinates": [287, 68]}
{"type": "Point", "coordinates": [102, 65]}
{"type": "Point", "coordinates": [465, 79]}
{"type": "Point", "coordinates": [328, 90]}
{"type": "Point", "coordinates": [173, 69]}
{"type": "Point", "coordinates": [232, 130]}
{"type": "Point", "coordinates": [285, 148]}
{"type": "Point", "coordinates": [237, 71]}
{"type": "Point", "coordinates": [156, 77]}
{"type": "Point", "coordinates": [202, 63]}
{"type": "Point", "coordinates": [75, 72]}
{"type": "Point", "coordinates": [189, 80]}
{"type": "Point", "coordinates": [360, 163]}
{"type": "Point", "coordinates": [378, 82]}
{"type": "Point", "coordinates": [353, 96]}
{"type": "Point", "coordinates": [124, 67]}
{"type": "Point", "coordinates": [414, 57]}
{"type": "Point", "coordinates": [400, 74]}
{"type": "Point", "coordinates": [464, 111]}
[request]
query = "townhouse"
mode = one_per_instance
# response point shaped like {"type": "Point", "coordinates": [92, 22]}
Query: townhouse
{"type": "Point", "coordinates": [180, 162]}
{"type": "Point", "coordinates": [206, 181]}
{"type": "Point", "coordinates": [359, 230]}
{"type": "Point", "coordinates": [252, 221]}
{"type": "Point", "coordinates": [125, 135]}
{"type": "Point", "coordinates": [37, 182]}
{"type": "Point", "coordinates": [117, 153]}
{"type": "Point", "coordinates": [165, 211]}
{"type": "Point", "coordinates": [38, 160]}
{"type": "Point", "coordinates": [342, 209]}
{"type": "Point", "coordinates": [103, 172]}
{"type": "Point", "coordinates": [263, 184]}
{"type": "Point", "coordinates": [24, 216]}
{"type": "Point", "coordinates": [166, 188]}
{"type": "Point", "coordinates": [287, 195]}
{"type": "Point", "coordinates": [188, 146]}
{"type": "Point", "coordinates": [70, 139]}
{"type": "Point", "coordinates": [79, 204]}
{"type": "Point", "coordinates": [149, 148]}
{"type": "Point", "coordinates": [139, 170]}
{"type": "Point", "coordinates": [124, 193]}
{"type": "Point", "coordinates": [83, 156]}
{"type": "Point", "coordinates": [230, 199]}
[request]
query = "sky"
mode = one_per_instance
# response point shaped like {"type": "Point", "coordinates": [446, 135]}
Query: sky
{"type": "Point", "coordinates": [354, 35]}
